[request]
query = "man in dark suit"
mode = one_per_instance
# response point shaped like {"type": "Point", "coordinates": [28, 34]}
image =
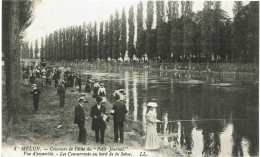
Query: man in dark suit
{"type": "Point", "coordinates": [61, 93]}
{"type": "Point", "coordinates": [36, 96]}
{"type": "Point", "coordinates": [80, 120]}
{"type": "Point", "coordinates": [56, 79]}
{"type": "Point", "coordinates": [98, 124]}
{"type": "Point", "coordinates": [119, 111]}
{"type": "Point", "coordinates": [79, 82]}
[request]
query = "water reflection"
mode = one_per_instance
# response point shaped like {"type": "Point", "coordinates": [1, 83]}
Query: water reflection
{"type": "Point", "coordinates": [201, 119]}
{"type": "Point", "coordinates": [126, 78]}
{"type": "Point", "coordinates": [135, 96]}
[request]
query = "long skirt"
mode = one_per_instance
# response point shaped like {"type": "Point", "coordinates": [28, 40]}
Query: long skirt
{"type": "Point", "coordinates": [104, 99]}
{"type": "Point", "coordinates": [151, 138]}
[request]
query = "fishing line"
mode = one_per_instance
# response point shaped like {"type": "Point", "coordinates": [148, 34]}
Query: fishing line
{"type": "Point", "coordinates": [199, 120]}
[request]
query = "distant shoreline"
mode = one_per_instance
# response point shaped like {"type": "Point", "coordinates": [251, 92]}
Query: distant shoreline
{"type": "Point", "coordinates": [226, 68]}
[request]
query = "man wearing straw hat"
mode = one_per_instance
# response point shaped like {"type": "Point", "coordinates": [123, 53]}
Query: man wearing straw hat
{"type": "Point", "coordinates": [98, 113]}
{"type": "Point", "coordinates": [61, 93]}
{"type": "Point", "coordinates": [80, 120]}
{"type": "Point", "coordinates": [36, 96]}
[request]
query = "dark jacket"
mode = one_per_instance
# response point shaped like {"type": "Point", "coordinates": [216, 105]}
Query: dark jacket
{"type": "Point", "coordinates": [120, 111]}
{"type": "Point", "coordinates": [79, 114]}
{"type": "Point", "coordinates": [88, 87]}
{"type": "Point", "coordinates": [36, 94]}
{"type": "Point", "coordinates": [98, 122]}
{"type": "Point", "coordinates": [61, 89]}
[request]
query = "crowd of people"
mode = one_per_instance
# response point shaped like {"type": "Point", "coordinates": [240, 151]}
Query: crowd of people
{"type": "Point", "coordinates": [44, 75]}
{"type": "Point", "coordinates": [100, 115]}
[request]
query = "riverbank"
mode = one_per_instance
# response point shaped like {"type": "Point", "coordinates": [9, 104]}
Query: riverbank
{"type": "Point", "coordinates": [169, 67]}
{"type": "Point", "coordinates": [53, 126]}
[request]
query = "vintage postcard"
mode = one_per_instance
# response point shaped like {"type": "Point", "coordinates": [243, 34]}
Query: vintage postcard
{"type": "Point", "coordinates": [130, 78]}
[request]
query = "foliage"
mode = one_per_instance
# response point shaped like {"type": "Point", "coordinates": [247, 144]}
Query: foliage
{"type": "Point", "coordinates": [122, 47]}
{"type": "Point", "coordinates": [205, 35]}
{"type": "Point", "coordinates": [131, 33]}
{"type": "Point", "coordinates": [116, 37]}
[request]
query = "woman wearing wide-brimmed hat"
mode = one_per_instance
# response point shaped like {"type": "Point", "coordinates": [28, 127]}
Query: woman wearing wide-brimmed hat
{"type": "Point", "coordinates": [151, 136]}
{"type": "Point", "coordinates": [96, 87]}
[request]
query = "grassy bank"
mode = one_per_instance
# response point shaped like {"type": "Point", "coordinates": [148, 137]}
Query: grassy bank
{"type": "Point", "coordinates": [41, 128]}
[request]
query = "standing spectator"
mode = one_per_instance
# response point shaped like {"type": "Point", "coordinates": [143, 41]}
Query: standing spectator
{"type": "Point", "coordinates": [119, 111]}
{"type": "Point", "coordinates": [32, 79]}
{"type": "Point", "coordinates": [61, 93]}
{"type": "Point", "coordinates": [102, 92]}
{"type": "Point", "coordinates": [65, 76]}
{"type": "Point", "coordinates": [98, 112]}
{"type": "Point", "coordinates": [56, 79]}
{"type": "Point", "coordinates": [95, 90]}
{"type": "Point", "coordinates": [70, 80]}
{"type": "Point", "coordinates": [88, 85]}
{"type": "Point", "coordinates": [79, 82]}
{"type": "Point", "coordinates": [36, 96]}
{"type": "Point", "coordinates": [120, 93]}
{"type": "Point", "coordinates": [44, 73]}
{"type": "Point", "coordinates": [151, 136]}
{"type": "Point", "coordinates": [80, 120]}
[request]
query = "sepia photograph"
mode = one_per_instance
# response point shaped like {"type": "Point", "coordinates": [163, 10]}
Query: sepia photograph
{"type": "Point", "coordinates": [130, 78]}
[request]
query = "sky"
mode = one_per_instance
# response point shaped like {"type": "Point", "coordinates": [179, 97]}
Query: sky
{"type": "Point", "coordinates": [50, 15]}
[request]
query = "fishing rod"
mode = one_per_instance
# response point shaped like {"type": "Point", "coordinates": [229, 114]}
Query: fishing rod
{"type": "Point", "coordinates": [199, 120]}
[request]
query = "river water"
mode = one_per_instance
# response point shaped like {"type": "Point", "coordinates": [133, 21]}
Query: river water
{"type": "Point", "coordinates": [203, 114]}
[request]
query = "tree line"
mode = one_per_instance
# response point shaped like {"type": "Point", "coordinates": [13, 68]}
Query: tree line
{"type": "Point", "coordinates": [208, 35]}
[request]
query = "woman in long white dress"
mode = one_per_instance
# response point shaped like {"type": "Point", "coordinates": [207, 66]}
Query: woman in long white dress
{"type": "Point", "coordinates": [102, 92]}
{"type": "Point", "coordinates": [151, 136]}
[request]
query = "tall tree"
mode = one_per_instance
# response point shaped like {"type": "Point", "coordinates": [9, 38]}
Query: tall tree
{"type": "Point", "coordinates": [122, 47]}
{"type": "Point", "coordinates": [140, 43]}
{"type": "Point", "coordinates": [47, 50]}
{"type": "Point", "coordinates": [55, 45]}
{"type": "Point", "coordinates": [110, 37]}
{"type": "Point", "coordinates": [206, 30]}
{"type": "Point", "coordinates": [239, 32]}
{"type": "Point", "coordinates": [31, 51]}
{"type": "Point", "coordinates": [89, 42]}
{"type": "Point", "coordinates": [175, 31]}
{"type": "Point", "coordinates": [131, 33]}
{"type": "Point", "coordinates": [64, 44]}
{"type": "Point", "coordinates": [51, 47]}
{"type": "Point", "coordinates": [160, 29]}
{"type": "Point", "coordinates": [60, 44]}
{"type": "Point", "coordinates": [187, 15]}
{"type": "Point", "coordinates": [42, 50]}
{"type": "Point", "coordinates": [100, 41]}
{"type": "Point", "coordinates": [36, 49]}
{"type": "Point", "coordinates": [106, 41]}
{"type": "Point", "coordinates": [216, 28]}
{"type": "Point", "coordinates": [84, 41]}
{"type": "Point", "coordinates": [253, 33]}
{"type": "Point", "coordinates": [149, 23]}
{"type": "Point", "coordinates": [95, 42]}
{"type": "Point", "coordinates": [116, 36]}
